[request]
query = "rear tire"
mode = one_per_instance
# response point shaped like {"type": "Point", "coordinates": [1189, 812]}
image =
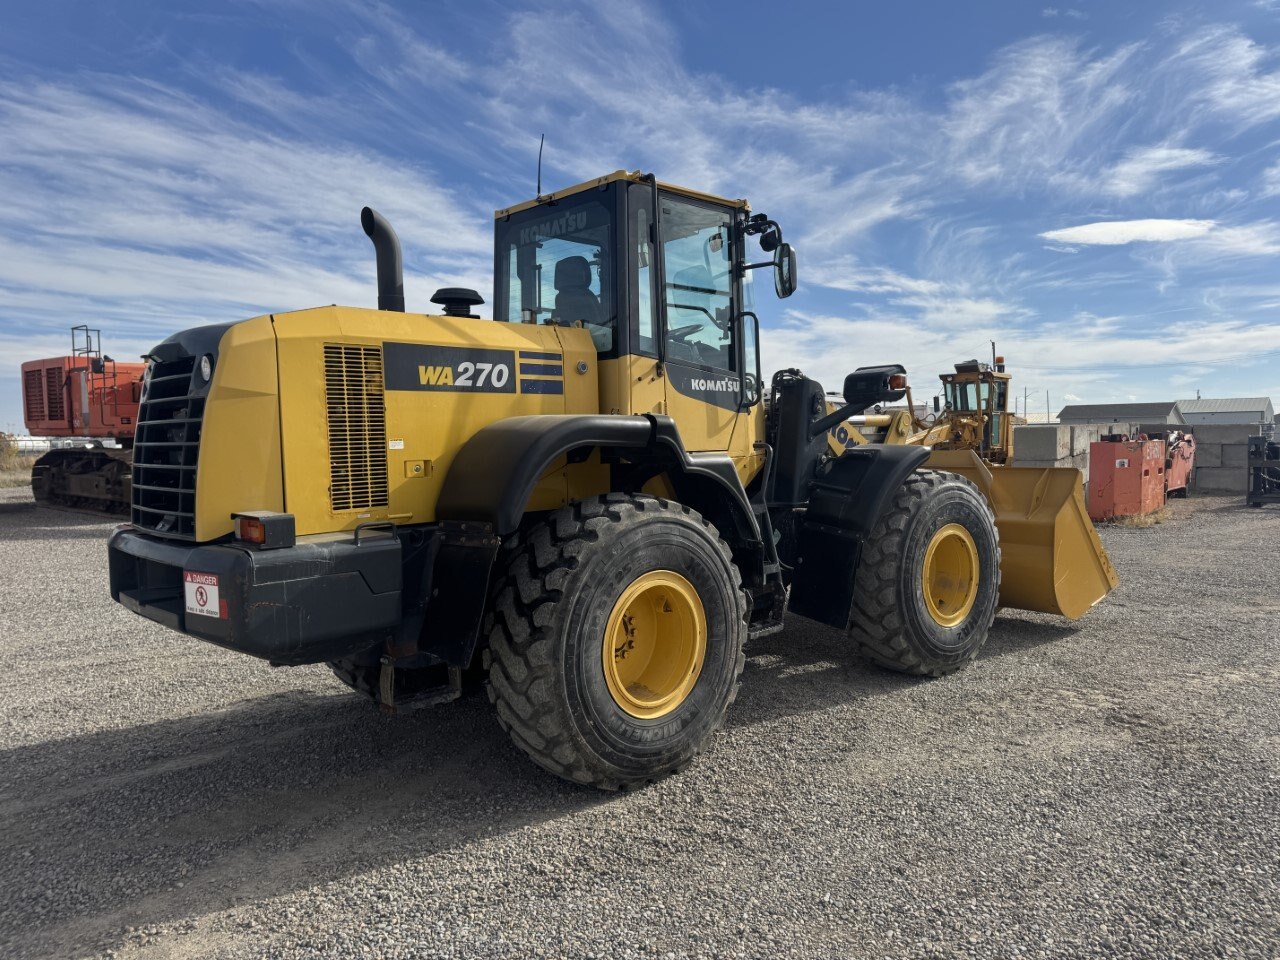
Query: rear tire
{"type": "Point", "coordinates": [559, 676]}
{"type": "Point", "coordinates": [928, 583]}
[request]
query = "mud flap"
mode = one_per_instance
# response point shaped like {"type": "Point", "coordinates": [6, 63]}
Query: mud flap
{"type": "Point", "coordinates": [1051, 557]}
{"type": "Point", "coordinates": [845, 501]}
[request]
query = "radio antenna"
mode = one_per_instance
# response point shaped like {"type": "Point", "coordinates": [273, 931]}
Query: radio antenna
{"type": "Point", "coordinates": [541, 141]}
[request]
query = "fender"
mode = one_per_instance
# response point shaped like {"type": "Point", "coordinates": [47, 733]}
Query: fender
{"type": "Point", "coordinates": [493, 475]}
{"type": "Point", "coordinates": [495, 472]}
{"type": "Point", "coordinates": [847, 498]}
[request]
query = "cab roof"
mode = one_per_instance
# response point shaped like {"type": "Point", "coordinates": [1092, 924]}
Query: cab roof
{"type": "Point", "coordinates": [633, 176]}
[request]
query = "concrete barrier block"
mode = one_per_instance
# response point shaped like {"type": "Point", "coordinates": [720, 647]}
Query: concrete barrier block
{"type": "Point", "coordinates": [1223, 432]}
{"type": "Point", "coordinates": [1041, 442]}
{"type": "Point", "coordinates": [1208, 454]}
{"type": "Point", "coordinates": [1082, 436]}
{"type": "Point", "coordinates": [1080, 463]}
{"type": "Point", "coordinates": [1235, 455]}
{"type": "Point", "coordinates": [1221, 480]}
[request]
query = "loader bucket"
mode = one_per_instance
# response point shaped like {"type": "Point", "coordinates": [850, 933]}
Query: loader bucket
{"type": "Point", "coordinates": [1051, 559]}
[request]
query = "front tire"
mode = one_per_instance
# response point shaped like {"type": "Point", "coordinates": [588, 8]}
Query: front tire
{"type": "Point", "coordinates": [928, 583]}
{"type": "Point", "coordinates": [616, 639]}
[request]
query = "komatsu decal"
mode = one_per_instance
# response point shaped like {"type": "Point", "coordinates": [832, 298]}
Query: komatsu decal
{"type": "Point", "coordinates": [722, 385]}
{"type": "Point", "coordinates": [566, 223]}
{"type": "Point", "coordinates": [423, 366]}
{"type": "Point", "coordinates": [718, 389]}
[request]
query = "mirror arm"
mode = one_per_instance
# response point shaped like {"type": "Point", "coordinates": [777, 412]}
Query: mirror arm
{"type": "Point", "coordinates": [819, 427]}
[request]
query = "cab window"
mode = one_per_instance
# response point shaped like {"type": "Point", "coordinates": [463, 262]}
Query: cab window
{"type": "Point", "coordinates": [697, 260]}
{"type": "Point", "coordinates": [555, 265]}
{"type": "Point", "coordinates": [640, 231]}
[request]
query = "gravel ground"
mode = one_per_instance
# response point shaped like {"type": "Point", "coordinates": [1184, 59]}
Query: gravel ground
{"type": "Point", "coordinates": [1104, 788]}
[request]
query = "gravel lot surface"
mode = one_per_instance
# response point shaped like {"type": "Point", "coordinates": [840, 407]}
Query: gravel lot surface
{"type": "Point", "coordinates": [1104, 788]}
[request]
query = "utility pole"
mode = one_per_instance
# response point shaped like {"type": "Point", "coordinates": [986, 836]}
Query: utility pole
{"type": "Point", "coordinates": [1026, 391]}
{"type": "Point", "coordinates": [1048, 412]}
{"type": "Point", "coordinates": [993, 354]}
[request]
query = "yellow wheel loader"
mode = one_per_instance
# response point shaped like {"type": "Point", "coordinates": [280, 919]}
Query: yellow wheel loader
{"type": "Point", "coordinates": [586, 501]}
{"type": "Point", "coordinates": [1051, 557]}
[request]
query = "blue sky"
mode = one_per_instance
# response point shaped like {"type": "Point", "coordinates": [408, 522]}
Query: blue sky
{"type": "Point", "coordinates": [1096, 186]}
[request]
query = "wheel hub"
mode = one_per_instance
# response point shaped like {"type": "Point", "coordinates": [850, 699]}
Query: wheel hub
{"type": "Point", "coordinates": [655, 642]}
{"type": "Point", "coordinates": [950, 576]}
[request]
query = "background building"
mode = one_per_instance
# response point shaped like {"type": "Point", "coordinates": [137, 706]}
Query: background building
{"type": "Point", "coordinates": [1162, 412]}
{"type": "Point", "coordinates": [1231, 410]}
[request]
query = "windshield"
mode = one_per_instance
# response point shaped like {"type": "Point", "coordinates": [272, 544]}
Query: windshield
{"type": "Point", "coordinates": [696, 253]}
{"type": "Point", "coordinates": [966, 396]}
{"type": "Point", "coordinates": [555, 265]}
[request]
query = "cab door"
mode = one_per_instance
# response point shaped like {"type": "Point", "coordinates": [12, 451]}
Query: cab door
{"type": "Point", "coordinates": [701, 349]}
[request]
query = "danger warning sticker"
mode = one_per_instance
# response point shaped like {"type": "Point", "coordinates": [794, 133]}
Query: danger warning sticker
{"type": "Point", "coordinates": [202, 594]}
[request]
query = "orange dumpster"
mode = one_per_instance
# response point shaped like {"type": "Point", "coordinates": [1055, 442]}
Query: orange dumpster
{"type": "Point", "coordinates": [1126, 477]}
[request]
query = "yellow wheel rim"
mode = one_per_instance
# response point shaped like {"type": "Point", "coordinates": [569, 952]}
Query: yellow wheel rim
{"type": "Point", "coordinates": [654, 644]}
{"type": "Point", "coordinates": [950, 579]}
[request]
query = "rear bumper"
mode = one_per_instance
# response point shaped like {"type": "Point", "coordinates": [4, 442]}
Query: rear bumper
{"type": "Point", "coordinates": [318, 600]}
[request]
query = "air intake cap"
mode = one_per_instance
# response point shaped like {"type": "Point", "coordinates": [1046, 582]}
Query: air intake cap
{"type": "Point", "coordinates": [458, 301]}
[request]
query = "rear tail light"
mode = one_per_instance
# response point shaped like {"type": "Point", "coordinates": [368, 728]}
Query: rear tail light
{"type": "Point", "coordinates": [265, 529]}
{"type": "Point", "coordinates": [250, 530]}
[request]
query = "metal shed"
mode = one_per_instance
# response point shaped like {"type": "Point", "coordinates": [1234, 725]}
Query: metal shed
{"type": "Point", "coordinates": [1228, 410]}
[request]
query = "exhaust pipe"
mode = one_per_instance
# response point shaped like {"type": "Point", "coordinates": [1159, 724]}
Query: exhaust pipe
{"type": "Point", "coordinates": [390, 266]}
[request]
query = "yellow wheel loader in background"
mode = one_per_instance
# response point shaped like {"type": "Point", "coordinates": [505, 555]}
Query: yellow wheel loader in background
{"type": "Point", "coordinates": [1051, 557]}
{"type": "Point", "coordinates": [582, 499]}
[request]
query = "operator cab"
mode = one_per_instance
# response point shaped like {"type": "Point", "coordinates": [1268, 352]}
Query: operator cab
{"type": "Point", "coordinates": [647, 269]}
{"type": "Point", "coordinates": [982, 391]}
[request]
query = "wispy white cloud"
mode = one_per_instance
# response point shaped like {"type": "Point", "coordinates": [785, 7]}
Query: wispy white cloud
{"type": "Point", "coordinates": [145, 203]}
{"type": "Point", "coordinates": [1142, 168]}
{"type": "Point", "coordinates": [1270, 183]}
{"type": "Point", "coordinates": [1112, 232]}
{"type": "Point", "coordinates": [1228, 77]}
{"type": "Point", "coordinates": [1041, 103]}
{"type": "Point", "coordinates": [845, 273]}
{"type": "Point", "coordinates": [140, 204]}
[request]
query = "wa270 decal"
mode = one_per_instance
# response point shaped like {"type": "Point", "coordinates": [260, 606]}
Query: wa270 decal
{"type": "Point", "coordinates": [421, 366]}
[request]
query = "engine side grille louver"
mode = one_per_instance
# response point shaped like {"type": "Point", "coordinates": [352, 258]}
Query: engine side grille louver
{"type": "Point", "coordinates": [33, 393]}
{"type": "Point", "coordinates": [357, 422]}
{"type": "Point", "coordinates": [54, 406]}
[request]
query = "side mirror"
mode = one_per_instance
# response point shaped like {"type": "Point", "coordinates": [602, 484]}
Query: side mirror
{"type": "Point", "coordinates": [784, 270]}
{"type": "Point", "coordinates": [937, 404]}
{"type": "Point", "coordinates": [871, 385]}
{"type": "Point", "coordinates": [863, 388]}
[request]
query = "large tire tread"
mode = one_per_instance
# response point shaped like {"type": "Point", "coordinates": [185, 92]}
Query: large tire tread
{"type": "Point", "coordinates": [521, 657]}
{"type": "Point", "coordinates": [878, 629]}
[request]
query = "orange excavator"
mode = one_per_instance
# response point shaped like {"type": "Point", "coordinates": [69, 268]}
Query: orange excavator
{"type": "Point", "coordinates": [86, 403]}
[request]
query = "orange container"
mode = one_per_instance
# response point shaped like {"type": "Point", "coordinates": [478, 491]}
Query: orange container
{"type": "Point", "coordinates": [1126, 478]}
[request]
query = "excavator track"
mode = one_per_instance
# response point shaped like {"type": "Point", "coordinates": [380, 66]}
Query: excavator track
{"type": "Point", "coordinates": [96, 479]}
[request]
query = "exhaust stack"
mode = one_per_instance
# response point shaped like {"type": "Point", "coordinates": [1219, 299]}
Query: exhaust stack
{"type": "Point", "coordinates": [390, 266]}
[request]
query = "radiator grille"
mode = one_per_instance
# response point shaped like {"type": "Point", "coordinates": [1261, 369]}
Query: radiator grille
{"type": "Point", "coordinates": [165, 450]}
{"type": "Point", "coordinates": [357, 421]}
{"type": "Point", "coordinates": [54, 407]}
{"type": "Point", "coordinates": [33, 394]}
